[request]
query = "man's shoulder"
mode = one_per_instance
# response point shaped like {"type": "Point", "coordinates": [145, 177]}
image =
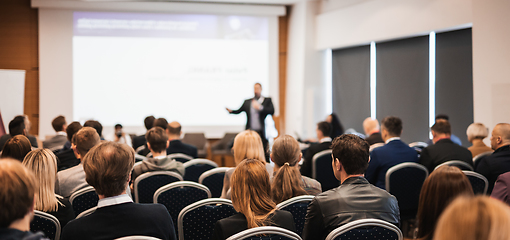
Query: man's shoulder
{"type": "Point", "coordinates": [70, 171]}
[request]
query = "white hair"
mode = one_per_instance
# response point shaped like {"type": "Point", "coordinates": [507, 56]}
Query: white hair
{"type": "Point", "coordinates": [477, 130]}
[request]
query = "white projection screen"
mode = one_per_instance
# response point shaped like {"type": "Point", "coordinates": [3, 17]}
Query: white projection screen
{"type": "Point", "coordinates": [119, 67]}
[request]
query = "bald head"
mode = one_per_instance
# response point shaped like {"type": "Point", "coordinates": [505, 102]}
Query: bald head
{"type": "Point", "coordinates": [500, 135]}
{"type": "Point", "coordinates": [370, 126]}
{"type": "Point", "coordinates": [174, 130]}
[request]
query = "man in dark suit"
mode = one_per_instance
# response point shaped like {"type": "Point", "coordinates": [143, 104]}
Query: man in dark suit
{"type": "Point", "coordinates": [498, 162]}
{"type": "Point", "coordinates": [443, 149]}
{"type": "Point", "coordinates": [394, 152]}
{"type": "Point", "coordinates": [174, 132]}
{"type": "Point", "coordinates": [256, 109]}
{"type": "Point", "coordinates": [16, 127]}
{"type": "Point", "coordinates": [323, 132]}
{"type": "Point", "coordinates": [66, 157]}
{"type": "Point", "coordinates": [57, 142]}
{"type": "Point", "coordinates": [372, 131]}
{"type": "Point", "coordinates": [108, 169]}
{"type": "Point", "coordinates": [140, 140]}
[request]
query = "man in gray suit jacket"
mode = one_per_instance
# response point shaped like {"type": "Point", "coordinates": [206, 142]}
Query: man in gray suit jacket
{"type": "Point", "coordinates": [58, 141]}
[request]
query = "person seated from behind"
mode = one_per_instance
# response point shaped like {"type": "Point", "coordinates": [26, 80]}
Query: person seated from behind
{"type": "Point", "coordinates": [455, 139]}
{"type": "Point", "coordinates": [43, 163]}
{"type": "Point", "coordinates": [501, 188]}
{"type": "Point", "coordinates": [66, 157]}
{"type": "Point", "coordinates": [392, 153]}
{"type": "Point", "coordinates": [32, 138]}
{"type": "Point", "coordinates": [160, 122]}
{"type": "Point", "coordinates": [354, 199]}
{"type": "Point", "coordinates": [476, 132]}
{"type": "Point", "coordinates": [323, 131]}
{"type": "Point", "coordinates": [372, 131]}
{"type": "Point", "coordinates": [157, 142]}
{"type": "Point", "coordinates": [108, 168]}
{"type": "Point", "coordinates": [440, 188]}
{"type": "Point", "coordinates": [252, 200]}
{"type": "Point", "coordinates": [477, 218]}
{"type": "Point", "coordinates": [443, 149]}
{"type": "Point", "coordinates": [336, 126]}
{"type": "Point", "coordinates": [287, 182]}
{"type": "Point", "coordinates": [96, 125]}
{"type": "Point", "coordinates": [57, 142]}
{"type": "Point", "coordinates": [16, 147]}
{"type": "Point", "coordinates": [121, 137]}
{"type": "Point", "coordinates": [176, 145]}
{"type": "Point", "coordinates": [17, 190]}
{"type": "Point", "coordinates": [16, 127]}
{"type": "Point", "coordinates": [140, 140]}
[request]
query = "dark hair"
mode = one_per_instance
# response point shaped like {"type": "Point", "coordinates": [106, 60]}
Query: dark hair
{"type": "Point", "coordinates": [393, 125]}
{"type": "Point", "coordinates": [58, 123]}
{"type": "Point", "coordinates": [85, 139]}
{"type": "Point", "coordinates": [442, 116]}
{"type": "Point", "coordinates": [441, 187]}
{"type": "Point", "coordinates": [149, 122]}
{"type": "Point", "coordinates": [17, 125]}
{"type": "Point", "coordinates": [17, 147]}
{"type": "Point", "coordinates": [174, 130]}
{"type": "Point", "coordinates": [118, 125]}
{"type": "Point", "coordinates": [325, 128]}
{"type": "Point", "coordinates": [108, 166]}
{"type": "Point", "coordinates": [157, 138]}
{"type": "Point", "coordinates": [336, 126]}
{"type": "Point", "coordinates": [442, 126]}
{"type": "Point", "coordinates": [352, 152]}
{"type": "Point", "coordinates": [161, 122]}
{"type": "Point", "coordinates": [71, 129]}
{"type": "Point", "coordinates": [287, 181]}
{"type": "Point", "coordinates": [96, 125]}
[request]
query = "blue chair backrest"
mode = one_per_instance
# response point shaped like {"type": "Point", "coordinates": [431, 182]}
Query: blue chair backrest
{"type": "Point", "coordinates": [47, 224]}
{"type": "Point", "coordinates": [478, 182]}
{"type": "Point", "coordinates": [83, 200]}
{"type": "Point", "coordinates": [148, 183]}
{"type": "Point", "coordinates": [213, 179]}
{"type": "Point", "coordinates": [322, 170]}
{"type": "Point", "coordinates": [195, 168]}
{"type": "Point", "coordinates": [366, 229]}
{"type": "Point", "coordinates": [266, 233]}
{"type": "Point", "coordinates": [298, 207]}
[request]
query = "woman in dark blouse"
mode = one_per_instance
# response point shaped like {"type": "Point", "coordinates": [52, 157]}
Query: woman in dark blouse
{"type": "Point", "coordinates": [43, 164]}
{"type": "Point", "coordinates": [251, 197]}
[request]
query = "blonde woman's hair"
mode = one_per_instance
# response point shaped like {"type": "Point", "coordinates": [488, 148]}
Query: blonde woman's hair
{"type": "Point", "coordinates": [251, 192]}
{"type": "Point", "coordinates": [476, 218]}
{"type": "Point", "coordinates": [43, 163]}
{"type": "Point", "coordinates": [247, 144]}
{"type": "Point", "coordinates": [477, 130]}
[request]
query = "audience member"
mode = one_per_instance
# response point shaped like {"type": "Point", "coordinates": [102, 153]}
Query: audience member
{"type": "Point", "coordinates": [501, 188]}
{"type": "Point", "coordinates": [32, 138]}
{"type": "Point", "coordinates": [247, 144]}
{"type": "Point", "coordinates": [17, 189]}
{"type": "Point", "coordinates": [157, 142]}
{"type": "Point", "coordinates": [372, 131]}
{"type": "Point", "coordinates": [161, 122]}
{"type": "Point", "coordinates": [323, 131]}
{"type": "Point", "coordinates": [439, 189]}
{"type": "Point", "coordinates": [336, 127]}
{"type": "Point", "coordinates": [57, 142]}
{"type": "Point", "coordinates": [176, 145]}
{"type": "Point", "coordinates": [96, 125]}
{"type": "Point", "coordinates": [43, 164]}
{"type": "Point", "coordinates": [477, 218]}
{"type": "Point", "coordinates": [443, 149]}
{"type": "Point", "coordinates": [355, 198]}
{"type": "Point", "coordinates": [16, 127]}
{"type": "Point", "coordinates": [108, 169]}
{"type": "Point", "coordinates": [66, 157]}
{"type": "Point", "coordinates": [287, 182]}
{"type": "Point", "coordinates": [16, 147]}
{"type": "Point", "coordinates": [251, 199]}
{"type": "Point", "coordinates": [455, 139]}
{"type": "Point", "coordinates": [476, 132]}
{"type": "Point", "coordinates": [121, 137]}
{"type": "Point", "coordinates": [498, 162]}
{"type": "Point", "coordinates": [140, 140]}
{"type": "Point", "coordinates": [73, 179]}
{"type": "Point", "coordinates": [392, 153]}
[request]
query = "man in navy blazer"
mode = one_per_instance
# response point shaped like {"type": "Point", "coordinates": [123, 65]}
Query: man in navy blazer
{"type": "Point", "coordinates": [392, 153]}
{"type": "Point", "coordinates": [174, 132]}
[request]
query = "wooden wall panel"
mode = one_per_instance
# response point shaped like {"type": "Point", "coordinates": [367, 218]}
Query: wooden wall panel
{"type": "Point", "coordinates": [283, 26]}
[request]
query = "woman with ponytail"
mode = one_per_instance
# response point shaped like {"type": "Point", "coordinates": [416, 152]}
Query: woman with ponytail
{"type": "Point", "coordinates": [287, 182]}
{"type": "Point", "coordinates": [251, 199]}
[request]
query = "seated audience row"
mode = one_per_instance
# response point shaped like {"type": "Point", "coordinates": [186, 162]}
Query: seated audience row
{"type": "Point", "coordinates": [19, 125]}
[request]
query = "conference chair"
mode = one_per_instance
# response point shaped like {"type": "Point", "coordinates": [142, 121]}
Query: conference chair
{"type": "Point", "coordinates": [322, 170]}
{"type": "Point", "coordinates": [456, 163]}
{"type": "Point", "coordinates": [213, 179]}
{"type": "Point", "coordinates": [481, 155]}
{"type": "Point", "coordinates": [375, 145]}
{"type": "Point", "coordinates": [199, 141]}
{"type": "Point", "coordinates": [84, 199]}
{"type": "Point", "coordinates": [86, 212]}
{"type": "Point", "coordinates": [478, 182]}
{"type": "Point", "coordinates": [181, 157]}
{"type": "Point", "coordinates": [139, 158]}
{"type": "Point", "coordinates": [194, 168]}
{"type": "Point", "coordinates": [418, 146]}
{"type": "Point", "coordinates": [138, 238]}
{"type": "Point", "coordinates": [146, 184]}
{"type": "Point", "coordinates": [272, 232]}
{"type": "Point", "coordinates": [197, 220]}
{"type": "Point", "coordinates": [366, 229]}
{"type": "Point", "coordinates": [298, 207]}
{"type": "Point", "coordinates": [176, 196]}
{"type": "Point", "coordinates": [222, 148]}
{"type": "Point", "coordinates": [404, 181]}
{"type": "Point", "coordinates": [46, 223]}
